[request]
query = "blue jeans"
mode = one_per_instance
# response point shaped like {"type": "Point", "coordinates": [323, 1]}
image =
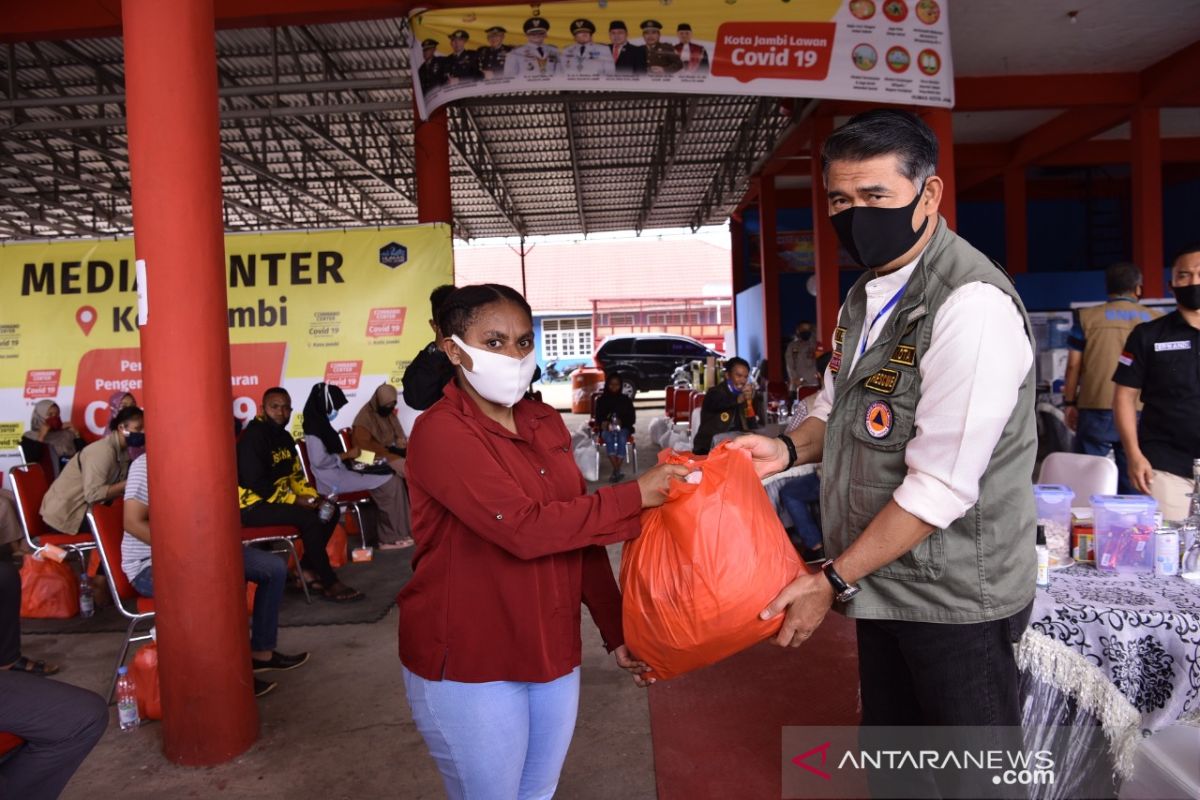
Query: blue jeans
{"type": "Point", "coordinates": [500, 739]}
{"type": "Point", "coordinates": [1096, 434]}
{"type": "Point", "coordinates": [614, 442]}
{"type": "Point", "coordinates": [267, 570]}
{"type": "Point", "coordinates": [796, 495]}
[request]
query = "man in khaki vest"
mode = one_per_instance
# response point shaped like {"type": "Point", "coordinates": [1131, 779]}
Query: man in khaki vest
{"type": "Point", "coordinates": [1096, 341]}
{"type": "Point", "coordinates": [925, 430]}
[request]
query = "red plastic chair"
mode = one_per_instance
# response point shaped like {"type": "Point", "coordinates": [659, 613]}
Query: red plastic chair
{"type": "Point", "coordinates": [29, 486]}
{"type": "Point", "coordinates": [108, 526]}
{"type": "Point", "coordinates": [353, 501]}
{"type": "Point", "coordinates": [670, 403]}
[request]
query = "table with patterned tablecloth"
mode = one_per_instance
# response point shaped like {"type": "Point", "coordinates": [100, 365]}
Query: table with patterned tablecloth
{"type": "Point", "coordinates": [1125, 646]}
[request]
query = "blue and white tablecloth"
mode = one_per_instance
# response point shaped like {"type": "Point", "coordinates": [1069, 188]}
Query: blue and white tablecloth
{"type": "Point", "coordinates": [1126, 646]}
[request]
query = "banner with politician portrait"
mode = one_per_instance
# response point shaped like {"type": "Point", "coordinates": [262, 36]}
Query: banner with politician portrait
{"type": "Point", "coordinates": [345, 307]}
{"type": "Point", "coordinates": [886, 51]}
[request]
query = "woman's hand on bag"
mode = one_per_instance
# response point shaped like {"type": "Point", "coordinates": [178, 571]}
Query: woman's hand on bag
{"type": "Point", "coordinates": [806, 601]}
{"type": "Point", "coordinates": [627, 662]}
{"type": "Point", "coordinates": [768, 454]}
{"type": "Point", "coordinates": [656, 482]}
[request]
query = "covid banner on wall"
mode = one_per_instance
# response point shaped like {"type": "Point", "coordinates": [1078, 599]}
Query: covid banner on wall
{"type": "Point", "coordinates": [887, 51]}
{"type": "Point", "coordinates": [346, 307]}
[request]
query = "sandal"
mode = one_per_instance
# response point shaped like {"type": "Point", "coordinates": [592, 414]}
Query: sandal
{"type": "Point", "coordinates": [33, 667]}
{"type": "Point", "coordinates": [341, 593]}
{"type": "Point", "coordinates": [296, 583]}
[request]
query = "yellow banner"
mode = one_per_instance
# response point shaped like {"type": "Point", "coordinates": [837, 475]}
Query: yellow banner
{"type": "Point", "coordinates": [347, 307]}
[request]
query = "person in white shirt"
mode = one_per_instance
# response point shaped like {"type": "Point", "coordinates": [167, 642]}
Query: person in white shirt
{"type": "Point", "coordinates": [926, 433]}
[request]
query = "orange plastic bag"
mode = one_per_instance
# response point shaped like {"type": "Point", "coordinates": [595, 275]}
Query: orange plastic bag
{"type": "Point", "coordinates": [335, 548]}
{"type": "Point", "coordinates": [49, 590]}
{"type": "Point", "coordinates": [708, 562]}
{"type": "Point", "coordinates": [144, 670]}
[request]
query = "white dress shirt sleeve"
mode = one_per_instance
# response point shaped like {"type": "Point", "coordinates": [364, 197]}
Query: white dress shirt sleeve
{"type": "Point", "coordinates": [977, 358]}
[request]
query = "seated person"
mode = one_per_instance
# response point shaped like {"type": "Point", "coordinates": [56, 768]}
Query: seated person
{"type": "Point", "coordinates": [726, 406]}
{"type": "Point", "coordinates": [116, 402]}
{"type": "Point", "coordinates": [50, 440]}
{"type": "Point", "coordinates": [615, 417]}
{"type": "Point", "coordinates": [431, 370]}
{"type": "Point", "coordinates": [95, 475]}
{"type": "Point", "coordinates": [60, 723]}
{"type": "Point", "coordinates": [797, 497]}
{"type": "Point", "coordinates": [262, 568]}
{"type": "Point", "coordinates": [272, 491]}
{"type": "Point", "coordinates": [331, 468]}
{"type": "Point", "coordinates": [377, 429]}
{"type": "Point", "coordinates": [10, 525]}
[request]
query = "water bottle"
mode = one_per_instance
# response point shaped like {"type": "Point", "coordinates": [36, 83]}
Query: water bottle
{"type": "Point", "coordinates": [87, 603]}
{"type": "Point", "coordinates": [328, 506]}
{"type": "Point", "coordinates": [127, 707]}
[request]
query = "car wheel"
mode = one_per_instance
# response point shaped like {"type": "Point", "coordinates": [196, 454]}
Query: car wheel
{"type": "Point", "coordinates": [629, 386]}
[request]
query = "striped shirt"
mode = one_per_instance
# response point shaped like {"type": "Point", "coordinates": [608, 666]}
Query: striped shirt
{"type": "Point", "coordinates": [135, 554]}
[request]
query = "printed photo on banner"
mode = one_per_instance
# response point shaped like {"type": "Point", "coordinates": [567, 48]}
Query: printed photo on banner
{"type": "Point", "coordinates": [302, 307]}
{"type": "Point", "coordinates": [816, 49]}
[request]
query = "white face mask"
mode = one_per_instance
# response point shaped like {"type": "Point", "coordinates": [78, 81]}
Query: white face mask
{"type": "Point", "coordinates": [498, 378]}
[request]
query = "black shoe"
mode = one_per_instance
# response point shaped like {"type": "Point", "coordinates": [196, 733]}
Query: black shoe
{"type": "Point", "coordinates": [263, 687]}
{"type": "Point", "coordinates": [279, 661]}
{"type": "Point", "coordinates": [812, 556]}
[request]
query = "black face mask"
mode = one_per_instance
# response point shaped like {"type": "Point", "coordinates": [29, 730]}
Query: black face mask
{"type": "Point", "coordinates": [876, 236]}
{"type": "Point", "coordinates": [1188, 296]}
{"type": "Point", "coordinates": [804, 336]}
{"type": "Point", "coordinates": [135, 439]}
{"type": "Point", "coordinates": [385, 411]}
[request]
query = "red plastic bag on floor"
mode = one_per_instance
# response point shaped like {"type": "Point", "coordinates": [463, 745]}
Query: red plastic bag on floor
{"type": "Point", "coordinates": [144, 670]}
{"type": "Point", "coordinates": [49, 589]}
{"type": "Point", "coordinates": [708, 561]}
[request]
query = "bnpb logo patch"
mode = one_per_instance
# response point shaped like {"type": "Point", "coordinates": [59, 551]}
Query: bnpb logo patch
{"type": "Point", "coordinates": [879, 419]}
{"type": "Point", "coordinates": [393, 255]}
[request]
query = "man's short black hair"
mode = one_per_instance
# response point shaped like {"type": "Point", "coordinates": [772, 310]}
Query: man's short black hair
{"type": "Point", "coordinates": [127, 414]}
{"type": "Point", "coordinates": [438, 296]}
{"type": "Point", "coordinates": [1186, 250]}
{"type": "Point", "coordinates": [734, 362]}
{"type": "Point", "coordinates": [1122, 278]}
{"type": "Point", "coordinates": [885, 132]}
{"type": "Point", "coordinates": [275, 390]}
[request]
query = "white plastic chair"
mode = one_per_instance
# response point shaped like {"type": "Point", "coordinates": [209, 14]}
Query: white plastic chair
{"type": "Point", "coordinates": [1083, 474]}
{"type": "Point", "coordinates": [1165, 766]}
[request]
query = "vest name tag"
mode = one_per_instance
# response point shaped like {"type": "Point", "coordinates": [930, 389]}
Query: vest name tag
{"type": "Point", "coordinates": [904, 354]}
{"type": "Point", "coordinates": [839, 336]}
{"type": "Point", "coordinates": [1160, 347]}
{"type": "Point", "coordinates": [884, 381]}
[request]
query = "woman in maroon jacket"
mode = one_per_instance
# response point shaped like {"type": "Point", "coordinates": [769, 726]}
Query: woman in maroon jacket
{"type": "Point", "coordinates": [509, 544]}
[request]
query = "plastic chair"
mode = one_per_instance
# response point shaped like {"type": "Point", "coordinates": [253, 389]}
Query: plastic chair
{"type": "Point", "coordinates": [29, 486]}
{"type": "Point", "coordinates": [353, 501]}
{"type": "Point", "coordinates": [1085, 475]}
{"type": "Point", "coordinates": [669, 406]}
{"type": "Point", "coordinates": [284, 535]}
{"type": "Point", "coordinates": [108, 526]}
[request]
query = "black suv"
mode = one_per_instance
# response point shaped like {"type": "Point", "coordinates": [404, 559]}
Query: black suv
{"type": "Point", "coordinates": [647, 361]}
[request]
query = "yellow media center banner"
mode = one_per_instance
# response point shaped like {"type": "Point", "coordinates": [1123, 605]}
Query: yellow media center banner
{"type": "Point", "coordinates": [346, 307]}
{"type": "Point", "coordinates": [885, 51]}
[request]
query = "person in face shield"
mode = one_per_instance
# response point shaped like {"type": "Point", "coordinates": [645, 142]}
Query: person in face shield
{"type": "Point", "coordinates": [509, 545]}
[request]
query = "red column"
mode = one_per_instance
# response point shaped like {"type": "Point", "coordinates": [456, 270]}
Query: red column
{"type": "Point", "coordinates": [432, 143]}
{"type": "Point", "coordinates": [209, 714]}
{"type": "Point", "coordinates": [1146, 181]}
{"type": "Point", "coordinates": [769, 258]}
{"type": "Point", "coordinates": [1016, 220]}
{"type": "Point", "coordinates": [825, 243]}
{"type": "Point", "coordinates": [940, 120]}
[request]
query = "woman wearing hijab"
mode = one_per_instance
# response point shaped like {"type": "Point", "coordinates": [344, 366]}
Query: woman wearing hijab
{"type": "Point", "coordinates": [331, 467]}
{"type": "Point", "coordinates": [117, 401]}
{"type": "Point", "coordinates": [378, 430]}
{"type": "Point", "coordinates": [50, 440]}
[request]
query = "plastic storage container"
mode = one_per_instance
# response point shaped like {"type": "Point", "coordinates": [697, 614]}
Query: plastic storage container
{"type": "Point", "coordinates": [1054, 513]}
{"type": "Point", "coordinates": [1124, 530]}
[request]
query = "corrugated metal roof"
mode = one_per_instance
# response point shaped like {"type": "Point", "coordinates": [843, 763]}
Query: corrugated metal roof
{"type": "Point", "coordinates": [329, 142]}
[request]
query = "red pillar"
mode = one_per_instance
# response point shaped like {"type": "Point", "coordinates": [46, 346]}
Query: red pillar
{"type": "Point", "coordinates": [940, 120]}
{"type": "Point", "coordinates": [1016, 220]}
{"type": "Point", "coordinates": [209, 714]}
{"type": "Point", "coordinates": [825, 243]}
{"type": "Point", "coordinates": [769, 258]}
{"type": "Point", "coordinates": [432, 143]}
{"type": "Point", "coordinates": [1146, 180]}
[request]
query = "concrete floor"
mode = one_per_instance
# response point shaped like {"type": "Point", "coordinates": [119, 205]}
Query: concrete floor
{"type": "Point", "coordinates": [339, 727]}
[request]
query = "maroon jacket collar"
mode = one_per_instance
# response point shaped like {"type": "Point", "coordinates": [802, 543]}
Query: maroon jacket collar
{"type": "Point", "coordinates": [527, 413]}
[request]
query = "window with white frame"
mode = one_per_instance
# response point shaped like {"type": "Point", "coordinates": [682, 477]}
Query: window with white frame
{"type": "Point", "coordinates": [567, 338]}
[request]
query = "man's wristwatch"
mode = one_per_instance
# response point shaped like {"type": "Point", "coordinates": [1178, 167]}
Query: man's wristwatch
{"type": "Point", "coordinates": [843, 592]}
